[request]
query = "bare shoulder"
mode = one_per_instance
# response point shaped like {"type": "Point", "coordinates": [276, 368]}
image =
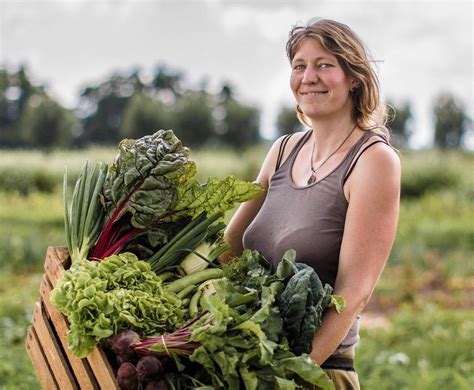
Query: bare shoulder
{"type": "Point", "coordinates": [379, 153]}
{"type": "Point", "coordinates": [377, 171]}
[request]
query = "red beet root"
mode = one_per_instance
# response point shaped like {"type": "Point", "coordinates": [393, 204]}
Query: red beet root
{"type": "Point", "coordinates": [157, 385]}
{"type": "Point", "coordinates": [127, 378]}
{"type": "Point", "coordinates": [149, 368]}
{"type": "Point", "coordinates": [121, 345]}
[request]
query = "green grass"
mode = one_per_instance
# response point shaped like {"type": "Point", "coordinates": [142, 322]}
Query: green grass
{"type": "Point", "coordinates": [430, 263]}
{"type": "Point", "coordinates": [29, 225]}
{"type": "Point", "coordinates": [18, 292]}
{"type": "Point", "coordinates": [424, 347]}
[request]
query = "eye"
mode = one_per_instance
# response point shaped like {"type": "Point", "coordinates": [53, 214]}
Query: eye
{"type": "Point", "coordinates": [325, 66]}
{"type": "Point", "coordinates": [298, 67]}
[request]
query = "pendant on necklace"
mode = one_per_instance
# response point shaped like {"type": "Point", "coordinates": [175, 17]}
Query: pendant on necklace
{"type": "Point", "coordinates": [311, 179]}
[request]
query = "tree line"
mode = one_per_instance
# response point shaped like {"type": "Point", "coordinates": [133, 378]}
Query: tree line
{"type": "Point", "coordinates": [127, 106]}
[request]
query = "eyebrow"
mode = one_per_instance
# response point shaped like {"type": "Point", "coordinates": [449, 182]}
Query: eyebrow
{"type": "Point", "coordinates": [296, 59]}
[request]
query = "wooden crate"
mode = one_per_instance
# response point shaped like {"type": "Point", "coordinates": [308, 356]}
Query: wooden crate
{"type": "Point", "coordinates": [46, 345]}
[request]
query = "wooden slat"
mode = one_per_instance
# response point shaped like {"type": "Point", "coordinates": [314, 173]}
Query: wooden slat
{"type": "Point", "coordinates": [53, 267]}
{"type": "Point", "coordinates": [102, 369]}
{"type": "Point", "coordinates": [61, 254]}
{"type": "Point", "coordinates": [81, 368]}
{"type": "Point", "coordinates": [57, 259]}
{"type": "Point", "coordinates": [52, 351]}
{"type": "Point", "coordinates": [40, 364]}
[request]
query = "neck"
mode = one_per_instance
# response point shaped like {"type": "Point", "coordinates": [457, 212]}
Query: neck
{"type": "Point", "coordinates": [328, 134]}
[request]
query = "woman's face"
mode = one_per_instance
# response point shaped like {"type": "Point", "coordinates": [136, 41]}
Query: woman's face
{"type": "Point", "coordinates": [320, 86]}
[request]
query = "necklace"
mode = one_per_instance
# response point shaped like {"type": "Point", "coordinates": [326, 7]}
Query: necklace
{"type": "Point", "coordinates": [312, 178]}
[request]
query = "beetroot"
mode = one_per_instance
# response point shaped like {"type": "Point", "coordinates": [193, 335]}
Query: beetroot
{"type": "Point", "coordinates": [148, 368]}
{"type": "Point", "coordinates": [127, 378]}
{"type": "Point", "coordinates": [121, 343]}
{"type": "Point", "coordinates": [157, 385]}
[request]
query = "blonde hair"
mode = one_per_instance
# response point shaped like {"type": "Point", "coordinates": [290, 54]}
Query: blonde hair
{"type": "Point", "coordinates": [337, 38]}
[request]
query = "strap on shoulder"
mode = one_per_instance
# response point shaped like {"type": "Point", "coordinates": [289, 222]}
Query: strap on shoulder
{"type": "Point", "coordinates": [366, 146]}
{"type": "Point", "coordinates": [281, 150]}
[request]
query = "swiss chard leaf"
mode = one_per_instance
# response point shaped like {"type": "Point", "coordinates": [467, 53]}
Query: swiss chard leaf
{"type": "Point", "coordinates": [214, 196]}
{"type": "Point", "coordinates": [305, 368]}
{"type": "Point", "coordinates": [145, 176]}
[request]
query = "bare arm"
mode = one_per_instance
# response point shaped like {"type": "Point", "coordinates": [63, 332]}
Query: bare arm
{"type": "Point", "coordinates": [369, 232]}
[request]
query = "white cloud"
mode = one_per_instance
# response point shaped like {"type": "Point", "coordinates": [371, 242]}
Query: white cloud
{"type": "Point", "coordinates": [425, 49]}
{"type": "Point", "coordinates": [272, 24]}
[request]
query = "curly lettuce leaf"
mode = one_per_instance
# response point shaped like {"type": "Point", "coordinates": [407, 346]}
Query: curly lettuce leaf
{"type": "Point", "coordinates": [121, 292]}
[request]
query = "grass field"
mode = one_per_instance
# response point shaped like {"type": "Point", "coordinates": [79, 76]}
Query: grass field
{"type": "Point", "coordinates": [417, 330]}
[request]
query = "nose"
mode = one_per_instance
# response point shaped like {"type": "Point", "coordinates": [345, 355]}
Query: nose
{"type": "Point", "coordinates": [310, 75]}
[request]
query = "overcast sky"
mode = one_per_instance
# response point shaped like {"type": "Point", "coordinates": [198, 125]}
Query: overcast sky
{"type": "Point", "coordinates": [424, 47]}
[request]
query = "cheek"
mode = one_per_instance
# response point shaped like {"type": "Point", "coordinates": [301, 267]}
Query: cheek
{"type": "Point", "coordinates": [340, 80]}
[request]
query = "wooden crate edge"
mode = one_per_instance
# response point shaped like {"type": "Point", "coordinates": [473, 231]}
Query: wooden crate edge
{"type": "Point", "coordinates": [57, 259]}
{"type": "Point", "coordinates": [81, 367]}
{"type": "Point", "coordinates": [38, 360]}
{"type": "Point", "coordinates": [58, 363]}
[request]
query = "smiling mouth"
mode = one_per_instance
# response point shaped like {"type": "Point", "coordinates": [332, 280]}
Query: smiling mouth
{"type": "Point", "coordinates": [314, 93]}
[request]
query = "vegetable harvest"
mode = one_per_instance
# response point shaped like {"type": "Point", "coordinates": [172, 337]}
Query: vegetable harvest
{"type": "Point", "coordinates": [143, 199]}
{"type": "Point", "coordinates": [144, 235]}
{"type": "Point", "coordinates": [242, 343]}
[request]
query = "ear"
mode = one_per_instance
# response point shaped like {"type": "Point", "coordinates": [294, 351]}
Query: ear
{"type": "Point", "coordinates": [355, 84]}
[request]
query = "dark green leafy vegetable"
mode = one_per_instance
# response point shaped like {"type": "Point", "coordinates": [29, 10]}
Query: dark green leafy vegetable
{"type": "Point", "coordinates": [145, 177]}
{"type": "Point", "coordinates": [151, 184]}
{"type": "Point", "coordinates": [246, 347]}
{"type": "Point", "coordinates": [302, 302]}
{"type": "Point", "coordinates": [240, 346]}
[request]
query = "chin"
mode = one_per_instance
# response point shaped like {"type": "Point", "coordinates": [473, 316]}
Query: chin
{"type": "Point", "coordinates": [315, 114]}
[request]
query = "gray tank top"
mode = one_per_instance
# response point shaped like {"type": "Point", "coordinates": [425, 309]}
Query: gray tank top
{"type": "Point", "coordinates": [309, 219]}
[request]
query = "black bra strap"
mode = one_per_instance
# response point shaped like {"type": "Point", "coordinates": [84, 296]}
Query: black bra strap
{"type": "Point", "coordinates": [281, 150]}
{"type": "Point", "coordinates": [363, 149]}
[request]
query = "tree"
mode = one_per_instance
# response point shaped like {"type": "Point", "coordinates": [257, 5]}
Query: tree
{"type": "Point", "coordinates": [226, 93]}
{"type": "Point", "coordinates": [143, 116]}
{"type": "Point", "coordinates": [239, 124]}
{"type": "Point", "coordinates": [287, 121]}
{"type": "Point", "coordinates": [399, 124]}
{"type": "Point", "coordinates": [193, 122]}
{"type": "Point", "coordinates": [166, 79]}
{"type": "Point", "coordinates": [451, 122]}
{"type": "Point", "coordinates": [101, 107]}
{"type": "Point", "coordinates": [46, 124]}
{"type": "Point", "coordinates": [15, 90]}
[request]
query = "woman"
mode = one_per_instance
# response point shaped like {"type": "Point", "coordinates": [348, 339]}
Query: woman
{"type": "Point", "coordinates": [332, 193]}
